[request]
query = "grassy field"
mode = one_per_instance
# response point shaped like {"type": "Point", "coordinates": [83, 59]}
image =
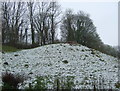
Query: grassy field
{"type": "Point", "coordinates": [5, 48]}
{"type": "Point", "coordinates": [0, 47]}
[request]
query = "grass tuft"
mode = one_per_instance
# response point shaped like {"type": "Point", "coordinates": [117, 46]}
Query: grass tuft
{"type": "Point", "coordinates": [8, 49]}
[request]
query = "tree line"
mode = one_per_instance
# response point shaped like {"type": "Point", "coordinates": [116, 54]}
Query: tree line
{"type": "Point", "coordinates": [35, 19]}
{"type": "Point", "coordinates": [80, 28]}
{"type": "Point", "coordinates": [36, 24]}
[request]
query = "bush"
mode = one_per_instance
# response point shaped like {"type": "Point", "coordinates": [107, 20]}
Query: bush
{"type": "Point", "coordinates": [11, 81]}
{"type": "Point", "coordinates": [117, 85]}
{"type": "Point", "coordinates": [61, 84]}
{"type": "Point", "coordinates": [39, 84]}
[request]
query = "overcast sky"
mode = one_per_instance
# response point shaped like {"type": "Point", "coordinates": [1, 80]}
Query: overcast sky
{"type": "Point", "coordinates": [104, 16]}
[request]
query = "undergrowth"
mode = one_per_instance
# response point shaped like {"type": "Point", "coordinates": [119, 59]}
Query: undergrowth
{"type": "Point", "coordinates": [55, 83]}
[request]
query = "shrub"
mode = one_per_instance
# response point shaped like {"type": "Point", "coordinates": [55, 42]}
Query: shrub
{"type": "Point", "coordinates": [40, 84]}
{"type": "Point", "coordinates": [69, 83]}
{"type": "Point", "coordinates": [117, 85]}
{"type": "Point", "coordinates": [11, 81]}
{"type": "Point", "coordinates": [58, 83]}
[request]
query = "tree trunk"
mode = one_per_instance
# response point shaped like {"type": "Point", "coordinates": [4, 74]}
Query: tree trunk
{"type": "Point", "coordinates": [32, 31]}
{"type": "Point", "coordinates": [52, 30]}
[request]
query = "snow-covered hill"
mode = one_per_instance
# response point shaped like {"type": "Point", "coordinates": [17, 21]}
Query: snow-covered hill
{"type": "Point", "coordinates": [63, 60]}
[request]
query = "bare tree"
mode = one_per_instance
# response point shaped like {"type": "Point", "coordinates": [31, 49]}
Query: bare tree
{"type": "Point", "coordinates": [5, 21]}
{"type": "Point", "coordinates": [54, 14]}
{"type": "Point", "coordinates": [12, 13]}
{"type": "Point", "coordinates": [20, 17]}
{"type": "Point", "coordinates": [67, 29]}
{"type": "Point", "coordinates": [80, 28]}
{"type": "Point", "coordinates": [40, 20]}
{"type": "Point", "coordinates": [31, 19]}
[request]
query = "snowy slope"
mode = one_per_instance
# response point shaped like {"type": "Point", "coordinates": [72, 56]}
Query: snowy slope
{"type": "Point", "coordinates": [81, 62]}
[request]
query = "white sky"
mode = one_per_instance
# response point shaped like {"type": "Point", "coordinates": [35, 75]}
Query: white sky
{"type": "Point", "coordinates": [103, 14]}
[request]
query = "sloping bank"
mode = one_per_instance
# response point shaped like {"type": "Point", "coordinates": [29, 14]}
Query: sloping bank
{"type": "Point", "coordinates": [84, 64]}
